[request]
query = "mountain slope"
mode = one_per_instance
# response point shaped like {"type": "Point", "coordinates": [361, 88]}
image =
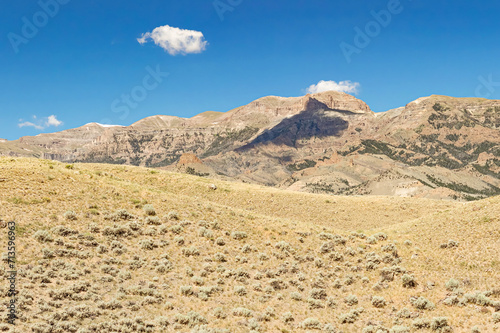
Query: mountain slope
{"type": "Point", "coordinates": [435, 147]}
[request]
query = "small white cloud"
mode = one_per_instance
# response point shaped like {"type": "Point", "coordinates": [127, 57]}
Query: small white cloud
{"type": "Point", "coordinates": [175, 40]}
{"type": "Point", "coordinates": [342, 86]}
{"type": "Point", "coordinates": [30, 124]}
{"type": "Point", "coordinates": [53, 121]}
{"type": "Point", "coordinates": [41, 124]}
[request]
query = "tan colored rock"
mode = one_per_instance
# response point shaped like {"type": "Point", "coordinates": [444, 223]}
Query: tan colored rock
{"type": "Point", "coordinates": [484, 157]}
{"type": "Point", "coordinates": [187, 159]}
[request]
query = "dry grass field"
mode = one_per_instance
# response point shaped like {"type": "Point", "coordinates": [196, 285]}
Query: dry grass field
{"type": "Point", "coordinates": [108, 248]}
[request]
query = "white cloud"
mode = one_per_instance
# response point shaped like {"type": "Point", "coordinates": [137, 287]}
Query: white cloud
{"type": "Point", "coordinates": [41, 124]}
{"type": "Point", "coordinates": [175, 40]}
{"type": "Point", "coordinates": [342, 86]}
{"type": "Point", "coordinates": [30, 124]}
{"type": "Point", "coordinates": [53, 121]}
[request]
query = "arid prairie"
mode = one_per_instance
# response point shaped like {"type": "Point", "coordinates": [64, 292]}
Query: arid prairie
{"type": "Point", "coordinates": [107, 248]}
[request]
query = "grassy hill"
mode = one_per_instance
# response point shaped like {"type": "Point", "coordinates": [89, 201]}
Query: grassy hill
{"type": "Point", "coordinates": [106, 248]}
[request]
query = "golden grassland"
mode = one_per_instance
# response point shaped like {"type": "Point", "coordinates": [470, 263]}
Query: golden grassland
{"type": "Point", "coordinates": [107, 248]}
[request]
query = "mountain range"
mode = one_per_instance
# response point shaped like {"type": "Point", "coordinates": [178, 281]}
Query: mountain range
{"type": "Point", "coordinates": [330, 142]}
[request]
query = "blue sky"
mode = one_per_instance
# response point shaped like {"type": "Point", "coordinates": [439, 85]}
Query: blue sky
{"type": "Point", "coordinates": [78, 64]}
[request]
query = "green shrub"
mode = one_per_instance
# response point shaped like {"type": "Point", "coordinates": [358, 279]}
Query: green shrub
{"type": "Point", "coordinates": [408, 281]}
{"type": "Point", "coordinates": [263, 257]}
{"type": "Point", "coordinates": [94, 228]}
{"type": "Point", "coordinates": [421, 323]}
{"type": "Point", "coordinates": [173, 215]}
{"type": "Point", "coordinates": [48, 253]}
{"type": "Point", "coordinates": [242, 312]}
{"type": "Point", "coordinates": [404, 313]}
{"type": "Point", "coordinates": [179, 241]}
{"type": "Point", "coordinates": [337, 284]}
{"type": "Point", "coordinates": [318, 293]}
{"type": "Point", "coordinates": [449, 245]}
{"type": "Point", "coordinates": [349, 318]}
{"type": "Point", "coordinates": [186, 290]}
{"type": "Point", "coordinates": [351, 300]}
{"type": "Point", "coordinates": [288, 317]}
{"type": "Point", "coordinates": [204, 232]}
{"type": "Point", "coordinates": [399, 329]}
{"type": "Point", "coordinates": [70, 216]}
{"type": "Point", "coordinates": [380, 236]}
{"type": "Point", "coordinates": [296, 296]}
{"type": "Point", "coordinates": [329, 328]}
{"type": "Point", "coordinates": [331, 302]}
{"type": "Point", "coordinates": [102, 249]}
{"type": "Point", "coordinates": [349, 280]}
{"type": "Point", "coordinates": [479, 299]}
{"type": "Point", "coordinates": [147, 244]}
{"type": "Point", "coordinates": [311, 323]}
{"type": "Point", "coordinates": [422, 303]}
{"type": "Point", "coordinates": [220, 257]}
{"type": "Point", "coordinates": [283, 246]}
{"type": "Point", "coordinates": [219, 313]}
{"type": "Point", "coordinates": [120, 214]}
{"type": "Point", "coordinates": [240, 290]}
{"type": "Point", "coordinates": [336, 256]}
{"type": "Point", "coordinates": [378, 301]}
{"type": "Point", "coordinates": [315, 303]}
{"type": "Point", "coordinates": [239, 235]}
{"type": "Point", "coordinates": [63, 231]}
{"type": "Point", "coordinates": [439, 323]}
{"type": "Point", "coordinates": [192, 251]}
{"type": "Point", "coordinates": [370, 329]}
{"type": "Point", "coordinates": [327, 247]}
{"type": "Point", "coordinates": [452, 284]}
{"type": "Point", "coordinates": [386, 274]}
{"type": "Point", "coordinates": [149, 210]}
{"type": "Point", "coordinates": [192, 319]}
{"type": "Point", "coordinates": [163, 322]}
{"type": "Point", "coordinates": [43, 236]}
{"type": "Point", "coordinates": [176, 229]}
{"type": "Point", "coordinates": [153, 220]}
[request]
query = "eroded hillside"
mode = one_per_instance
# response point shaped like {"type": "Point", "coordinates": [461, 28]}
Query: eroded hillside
{"type": "Point", "coordinates": [434, 147]}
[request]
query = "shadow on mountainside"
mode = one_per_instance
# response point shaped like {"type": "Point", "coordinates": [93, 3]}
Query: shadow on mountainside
{"type": "Point", "coordinates": [312, 122]}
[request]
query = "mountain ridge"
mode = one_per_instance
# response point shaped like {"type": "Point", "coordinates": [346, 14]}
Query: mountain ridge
{"type": "Point", "coordinates": [330, 142]}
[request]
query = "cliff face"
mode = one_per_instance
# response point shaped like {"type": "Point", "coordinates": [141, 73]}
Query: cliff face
{"type": "Point", "coordinates": [329, 142]}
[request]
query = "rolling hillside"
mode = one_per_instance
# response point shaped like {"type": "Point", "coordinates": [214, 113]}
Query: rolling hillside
{"type": "Point", "coordinates": [112, 248]}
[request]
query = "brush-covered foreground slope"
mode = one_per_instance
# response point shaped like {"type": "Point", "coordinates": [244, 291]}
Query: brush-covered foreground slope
{"type": "Point", "coordinates": [103, 248]}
